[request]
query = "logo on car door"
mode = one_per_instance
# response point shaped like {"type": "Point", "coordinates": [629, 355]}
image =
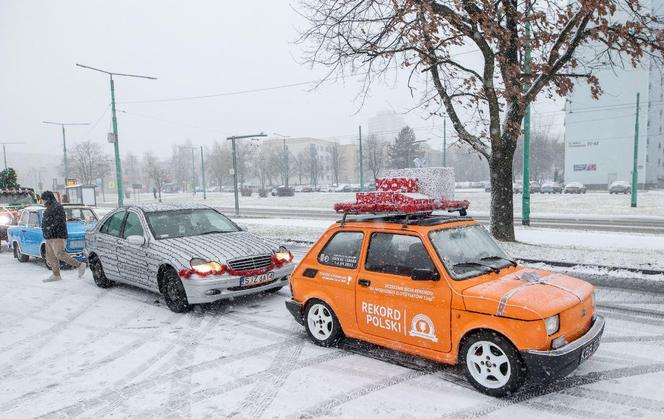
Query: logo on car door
{"type": "Point", "coordinates": [422, 327]}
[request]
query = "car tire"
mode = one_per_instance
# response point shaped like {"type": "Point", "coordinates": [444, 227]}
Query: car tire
{"type": "Point", "coordinates": [18, 255]}
{"type": "Point", "coordinates": [174, 293]}
{"type": "Point", "coordinates": [492, 364]}
{"type": "Point", "coordinates": [322, 324]}
{"type": "Point", "coordinates": [98, 273]}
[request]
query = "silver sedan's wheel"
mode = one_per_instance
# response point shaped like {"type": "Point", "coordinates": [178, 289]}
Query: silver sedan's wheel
{"type": "Point", "coordinates": [492, 363]}
{"type": "Point", "coordinates": [321, 323]}
{"type": "Point", "coordinates": [488, 364]}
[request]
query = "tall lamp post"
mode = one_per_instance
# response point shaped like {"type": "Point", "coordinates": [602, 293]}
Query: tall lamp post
{"type": "Point", "coordinates": [4, 150]}
{"type": "Point", "coordinates": [235, 190]}
{"type": "Point", "coordinates": [64, 141]}
{"type": "Point", "coordinates": [118, 164]}
{"type": "Point", "coordinates": [286, 168]}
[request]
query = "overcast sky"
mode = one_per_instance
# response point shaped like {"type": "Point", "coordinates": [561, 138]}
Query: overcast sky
{"type": "Point", "coordinates": [195, 47]}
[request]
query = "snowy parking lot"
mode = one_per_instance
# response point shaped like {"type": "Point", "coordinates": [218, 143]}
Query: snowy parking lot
{"type": "Point", "coordinates": [71, 349]}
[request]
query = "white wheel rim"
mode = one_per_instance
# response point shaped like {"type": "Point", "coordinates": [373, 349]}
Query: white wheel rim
{"type": "Point", "coordinates": [488, 364]}
{"type": "Point", "coordinates": [320, 322]}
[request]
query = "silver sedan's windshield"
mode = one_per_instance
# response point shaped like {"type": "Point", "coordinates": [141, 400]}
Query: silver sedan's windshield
{"type": "Point", "coordinates": [469, 251]}
{"type": "Point", "coordinates": [189, 222]}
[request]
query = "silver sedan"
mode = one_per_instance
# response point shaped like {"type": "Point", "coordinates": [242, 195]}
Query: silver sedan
{"type": "Point", "coordinates": [190, 254]}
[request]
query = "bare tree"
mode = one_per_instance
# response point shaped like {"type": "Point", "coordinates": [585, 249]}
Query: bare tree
{"type": "Point", "coordinates": [313, 164]}
{"type": "Point", "coordinates": [336, 157]}
{"type": "Point", "coordinates": [220, 162]}
{"type": "Point", "coordinates": [486, 103]}
{"type": "Point", "coordinates": [88, 162]}
{"type": "Point", "coordinates": [131, 168]}
{"type": "Point", "coordinates": [156, 171]}
{"type": "Point", "coordinates": [374, 155]}
{"type": "Point", "coordinates": [300, 166]}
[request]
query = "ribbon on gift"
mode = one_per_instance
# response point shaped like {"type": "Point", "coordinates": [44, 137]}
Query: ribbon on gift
{"type": "Point", "coordinates": [531, 278]}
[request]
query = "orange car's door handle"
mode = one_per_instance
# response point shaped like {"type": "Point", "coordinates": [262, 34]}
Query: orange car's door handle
{"type": "Point", "coordinates": [364, 282]}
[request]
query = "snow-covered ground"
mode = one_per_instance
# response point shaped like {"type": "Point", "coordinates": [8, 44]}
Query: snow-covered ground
{"type": "Point", "coordinates": [70, 349]}
{"type": "Point", "coordinates": [644, 251]}
{"type": "Point", "coordinates": [592, 204]}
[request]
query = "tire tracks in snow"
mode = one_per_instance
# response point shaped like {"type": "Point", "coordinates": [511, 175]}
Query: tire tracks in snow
{"type": "Point", "coordinates": [181, 386]}
{"type": "Point", "coordinates": [32, 344]}
{"type": "Point", "coordinates": [263, 394]}
{"type": "Point", "coordinates": [567, 383]}
{"type": "Point", "coordinates": [116, 402]}
{"type": "Point", "coordinates": [85, 369]}
{"type": "Point", "coordinates": [128, 390]}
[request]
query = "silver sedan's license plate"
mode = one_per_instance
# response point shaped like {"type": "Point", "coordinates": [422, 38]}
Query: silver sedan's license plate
{"type": "Point", "coordinates": [590, 349]}
{"type": "Point", "coordinates": [249, 281]}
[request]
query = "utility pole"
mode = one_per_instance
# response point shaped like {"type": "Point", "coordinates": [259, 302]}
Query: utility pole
{"type": "Point", "coordinates": [203, 174]}
{"type": "Point", "coordinates": [4, 151]}
{"type": "Point", "coordinates": [64, 142]}
{"type": "Point", "coordinates": [235, 189]}
{"type": "Point", "coordinates": [361, 162]}
{"type": "Point", "coordinates": [525, 196]}
{"type": "Point", "coordinates": [635, 167]}
{"type": "Point", "coordinates": [118, 164]}
{"type": "Point", "coordinates": [193, 171]}
{"type": "Point", "coordinates": [444, 142]}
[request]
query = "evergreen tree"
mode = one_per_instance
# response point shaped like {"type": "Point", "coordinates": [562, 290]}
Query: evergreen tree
{"type": "Point", "coordinates": [404, 150]}
{"type": "Point", "coordinates": [8, 179]}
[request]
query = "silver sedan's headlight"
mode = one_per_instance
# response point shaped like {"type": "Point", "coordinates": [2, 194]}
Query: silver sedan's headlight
{"type": "Point", "coordinates": [552, 324]}
{"type": "Point", "coordinates": [283, 255]}
{"type": "Point", "coordinates": [202, 266]}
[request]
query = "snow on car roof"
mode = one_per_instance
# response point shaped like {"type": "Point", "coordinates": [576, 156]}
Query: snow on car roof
{"type": "Point", "coordinates": [168, 207]}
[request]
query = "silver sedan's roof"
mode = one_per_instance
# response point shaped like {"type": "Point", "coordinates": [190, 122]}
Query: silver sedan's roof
{"type": "Point", "coordinates": [168, 207]}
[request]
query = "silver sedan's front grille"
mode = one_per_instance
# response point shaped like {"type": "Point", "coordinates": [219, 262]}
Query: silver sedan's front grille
{"type": "Point", "coordinates": [251, 263]}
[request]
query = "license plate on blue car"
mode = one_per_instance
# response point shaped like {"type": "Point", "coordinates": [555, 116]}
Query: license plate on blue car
{"type": "Point", "coordinates": [77, 244]}
{"type": "Point", "coordinates": [250, 281]}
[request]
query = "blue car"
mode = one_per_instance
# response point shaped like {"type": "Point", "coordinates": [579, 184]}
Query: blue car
{"type": "Point", "coordinates": [27, 239]}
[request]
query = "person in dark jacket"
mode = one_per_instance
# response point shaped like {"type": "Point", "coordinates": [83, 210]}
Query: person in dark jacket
{"type": "Point", "coordinates": [54, 228]}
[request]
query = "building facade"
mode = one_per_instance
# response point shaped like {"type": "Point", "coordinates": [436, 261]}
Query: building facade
{"type": "Point", "coordinates": [600, 134]}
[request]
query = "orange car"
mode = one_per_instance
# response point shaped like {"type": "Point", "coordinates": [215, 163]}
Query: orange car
{"type": "Point", "coordinates": [441, 288]}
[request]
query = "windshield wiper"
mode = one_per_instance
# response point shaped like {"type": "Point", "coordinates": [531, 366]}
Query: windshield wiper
{"type": "Point", "coordinates": [213, 232]}
{"type": "Point", "coordinates": [488, 267]}
{"type": "Point", "coordinates": [511, 261]}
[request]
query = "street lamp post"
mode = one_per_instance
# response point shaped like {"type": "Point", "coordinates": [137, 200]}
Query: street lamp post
{"type": "Point", "coordinates": [235, 190]}
{"type": "Point", "coordinates": [203, 174]}
{"type": "Point", "coordinates": [286, 168]}
{"type": "Point", "coordinates": [193, 168]}
{"type": "Point", "coordinates": [118, 164]}
{"type": "Point", "coordinates": [64, 141]}
{"type": "Point", "coordinates": [4, 151]}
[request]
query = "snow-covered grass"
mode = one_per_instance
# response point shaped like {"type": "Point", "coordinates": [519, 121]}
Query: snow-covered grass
{"type": "Point", "coordinates": [70, 349]}
{"type": "Point", "coordinates": [577, 246]}
{"type": "Point", "coordinates": [592, 204]}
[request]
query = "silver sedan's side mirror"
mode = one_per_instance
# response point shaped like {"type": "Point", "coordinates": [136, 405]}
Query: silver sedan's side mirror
{"type": "Point", "coordinates": [136, 240]}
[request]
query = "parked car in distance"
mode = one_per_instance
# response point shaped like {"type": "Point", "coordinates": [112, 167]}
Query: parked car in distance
{"type": "Point", "coordinates": [27, 239]}
{"type": "Point", "coordinates": [575, 187]}
{"type": "Point", "coordinates": [307, 188]}
{"type": "Point", "coordinates": [440, 287]}
{"type": "Point", "coordinates": [297, 188]}
{"type": "Point", "coordinates": [283, 191]}
{"type": "Point", "coordinates": [355, 187]}
{"type": "Point", "coordinates": [535, 187]}
{"type": "Point", "coordinates": [343, 188]}
{"type": "Point", "coordinates": [517, 188]}
{"type": "Point", "coordinates": [620, 186]}
{"type": "Point", "coordinates": [551, 187]}
{"type": "Point", "coordinates": [191, 254]}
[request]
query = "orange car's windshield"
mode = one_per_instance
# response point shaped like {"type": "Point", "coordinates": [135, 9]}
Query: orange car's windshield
{"type": "Point", "coordinates": [469, 251]}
